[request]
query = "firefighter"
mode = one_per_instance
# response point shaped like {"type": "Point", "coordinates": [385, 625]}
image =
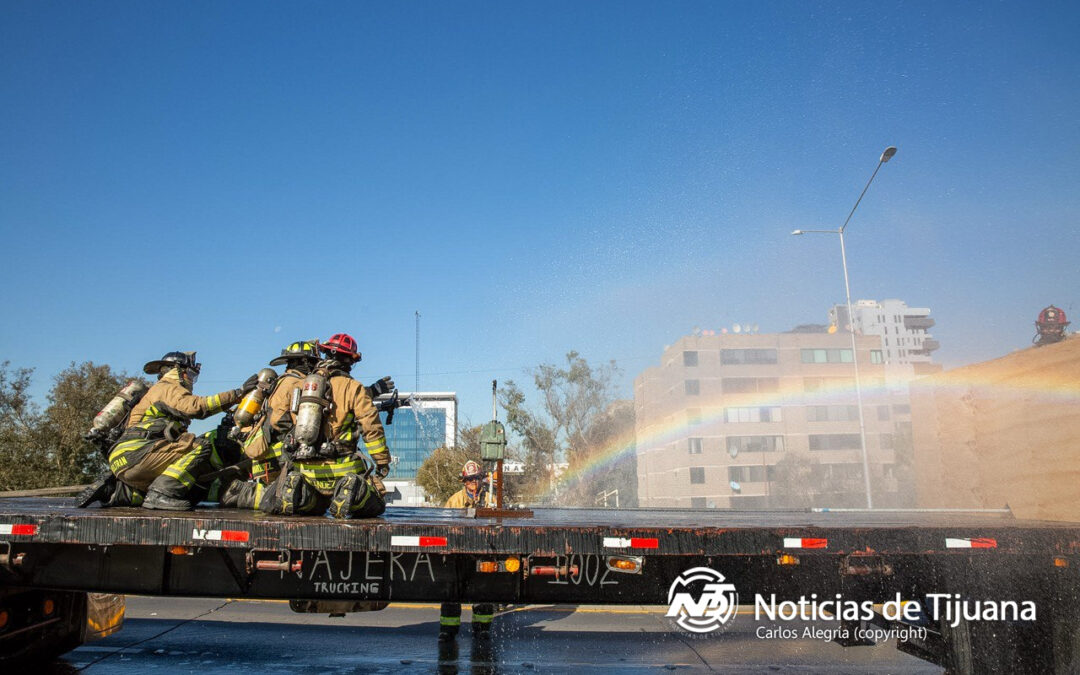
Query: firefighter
{"type": "Point", "coordinates": [472, 495]}
{"type": "Point", "coordinates": [156, 461]}
{"type": "Point", "coordinates": [323, 465]}
{"type": "Point", "coordinates": [263, 442]}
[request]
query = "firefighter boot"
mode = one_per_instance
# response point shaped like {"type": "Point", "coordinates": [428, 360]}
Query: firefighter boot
{"type": "Point", "coordinates": [98, 491]}
{"type": "Point", "coordinates": [243, 494]}
{"type": "Point", "coordinates": [483, 614]}
{"type": "Point", "coordinates": [297, 496]}
{"type": "Point", "coordinates": [449, 621]}
{"type": "Point", "coordinates": [167, 494]}
{"type": "Point", "coordinates": [345, 493]}
{"type": "Point", "coordinates": [125, 495]}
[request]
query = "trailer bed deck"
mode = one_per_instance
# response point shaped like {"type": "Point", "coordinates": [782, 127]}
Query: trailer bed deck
{"type": "Point", "coordinates": [554, 531]}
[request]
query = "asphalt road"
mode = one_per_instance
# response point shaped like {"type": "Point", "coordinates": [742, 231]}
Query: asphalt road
{"type": "Point", "coordinates": [216, 636]}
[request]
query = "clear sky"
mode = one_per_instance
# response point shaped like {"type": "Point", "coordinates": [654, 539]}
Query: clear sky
{"type": "Point", "coordinates": [532, 177]}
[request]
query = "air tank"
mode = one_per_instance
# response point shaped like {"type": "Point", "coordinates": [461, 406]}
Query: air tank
{"type": "Point", "coordinates": [117, 410]}
{"type": "Point", "coordinates": [309, 416]}
{"type": "Point", "coordinates": [248, 409]}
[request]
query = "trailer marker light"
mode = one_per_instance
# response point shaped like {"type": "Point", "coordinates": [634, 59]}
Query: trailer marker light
{"type": "Point", "coordinates": [1061, 562]}
{"type": "Point", "coordinates": [628, 564]}
{"type": "Point", "coordinates": [179, 550]}
{"type": "Point", "coordinates": [786, 559]}
{"type": "Point", "coordinates": [977, 542]}
{"type": "Point", "coordinates": [805, 542]}
{"type": "Point", "coordinates": [22, 530]}
{"type": "Point", "coordinates": [487, 566]}
{"type": "Point", "coordinates": [512, 564]}
{"type": "Point", "coordinates": [633, 542]}
{"type": "Point", "coordinates": [48, 607]}
{"type": "Point", "coordinates": [3, 618]}
{"type": "Point", "coordinates": [399, 540]}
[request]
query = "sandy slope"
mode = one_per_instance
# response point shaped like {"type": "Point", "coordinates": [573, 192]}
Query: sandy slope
{"type": "Point", "coordinates": [1002, 431]}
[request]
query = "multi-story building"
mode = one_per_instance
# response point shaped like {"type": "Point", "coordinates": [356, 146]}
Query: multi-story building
{"type": "Point", "coordinates": [748, 421]}
{"type": "Point", "coordinates": [901, 329]}
{"type": "Point", "coordinates": [430, 423]}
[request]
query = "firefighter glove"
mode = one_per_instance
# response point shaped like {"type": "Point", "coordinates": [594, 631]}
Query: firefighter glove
{"type": "Point", "coordinates": [377, 483]}
{"type": "Point", "coordinates": [250, 383]}
{"type": "Point", "coordinates": [383, 386]}
{"type": "Point", "coordinates": [382, 463]}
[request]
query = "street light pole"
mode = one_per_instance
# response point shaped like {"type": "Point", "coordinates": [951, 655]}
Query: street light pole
{"type": "Point", "coordinates": [885, 157]}
{"type": "Point", "coordinates": [858, 384]}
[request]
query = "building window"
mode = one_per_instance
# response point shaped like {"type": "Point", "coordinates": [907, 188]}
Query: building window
{"type": "Point", "coordinates": [695, 446]}
{"type": "Point", "coordinates": [693, 387]}
{"type": "Point", "coordinates": [901, 409]}
{"type": "Point", "coordinates": [826, 356]}
{"type": "Point", "coordinates": [697, 475]}
{"type": "Point", "coordinates": [883, 413]}
{"type": "Point", "coordinates": [689, 359]}
{"type": "Point", "coordinates": [734, 357]}
{"type": "Point", "coordinates": [828, 383]}
{"type": "Point", "coordinates": [757, 474]}
{"type": "Point", "coordinates": [749, 385]}
{"type": "Point", "coordinates": [739, 444]}
{"type": "Point", "coordinates": [736, 474]}
{"type": "Point", "coordinates": [834, 442]}
{"type": "Point", "coordinates": [876, 357]}
{"type": "Point", "coordinates": [832, 413]}
{"type": "Point", "coordinates": [697, 502]}
{"type": "Point", "coordinates": [886, 442]}
{"type": "Point", "coordinates": [754, 414]}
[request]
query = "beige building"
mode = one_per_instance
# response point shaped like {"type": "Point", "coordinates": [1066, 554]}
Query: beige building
{"type": "Point", "coordinates": [766, 421]}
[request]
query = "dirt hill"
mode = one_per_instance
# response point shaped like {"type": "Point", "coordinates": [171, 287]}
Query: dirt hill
{"type": "Point", "coordinates": [1001, 432]}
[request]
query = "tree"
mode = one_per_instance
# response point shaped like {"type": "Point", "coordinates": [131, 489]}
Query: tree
{"type": "Point", "coordinates": [42, 449]}
{"type": "Point", "coordinates": [440, 474]}
{"type": "Point", "coordinates": [803, 482]}
{"type": "Point", "coordinates": [578, 422]}
{"type": "Point", "coordinates": [21, 464]}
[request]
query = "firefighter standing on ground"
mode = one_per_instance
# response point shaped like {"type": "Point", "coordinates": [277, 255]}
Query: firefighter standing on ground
{"type": "Point", "coordinates": [323, 467]}
{"type": "Point", "coordinates": [156, 461]}
{"type": "Point", "coordinates": [470, 496]}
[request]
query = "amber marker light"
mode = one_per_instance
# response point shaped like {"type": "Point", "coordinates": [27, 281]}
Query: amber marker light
{"type": "Point", "coordinates": [786, 559]}
{"type": "Point", "coordinates": [512, 564]}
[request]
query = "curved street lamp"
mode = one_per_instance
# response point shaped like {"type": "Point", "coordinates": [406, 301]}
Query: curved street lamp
{"type": "Point", "coordinates": [885, 157]}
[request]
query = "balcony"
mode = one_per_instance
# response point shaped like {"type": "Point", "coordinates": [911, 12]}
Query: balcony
{"type": "Point", "coordinates": [917, 322]}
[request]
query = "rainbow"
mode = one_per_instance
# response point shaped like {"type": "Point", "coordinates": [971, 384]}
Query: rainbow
{"type": "Point", "coordinates": [1054, 389]}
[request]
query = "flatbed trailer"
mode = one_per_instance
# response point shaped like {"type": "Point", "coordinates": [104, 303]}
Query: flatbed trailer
{"type": "Point", "coordinates": [49, 549]}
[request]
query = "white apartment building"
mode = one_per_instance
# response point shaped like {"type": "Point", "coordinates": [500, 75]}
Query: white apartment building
{"type": "Point", "coordinates": [902, 329]}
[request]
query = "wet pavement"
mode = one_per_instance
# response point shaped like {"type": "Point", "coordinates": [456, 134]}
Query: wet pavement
{"type": "Point", "coordinates": [228, 636]}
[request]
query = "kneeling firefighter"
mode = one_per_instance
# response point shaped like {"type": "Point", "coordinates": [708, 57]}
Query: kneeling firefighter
{"type": "Point", "coordinates": [323, 467]}
{"type": "Point", "coordinates": [264, 440]}
{"type": "Point", "coordinates": [156, 461]}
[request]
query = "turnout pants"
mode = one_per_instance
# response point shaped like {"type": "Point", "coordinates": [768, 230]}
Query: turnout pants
{"type": "Point", "coordinates": [348, 495]}
{"type": "Point", "coordinates": [450, 615]}
{"type": "Point", "coordinates": [168, 467]}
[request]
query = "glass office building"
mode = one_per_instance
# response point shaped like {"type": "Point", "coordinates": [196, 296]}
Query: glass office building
{"type": "Point", "coordinates": [418, 430]}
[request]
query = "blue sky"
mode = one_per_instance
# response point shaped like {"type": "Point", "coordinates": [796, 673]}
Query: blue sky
{"type": "Point", "coordinates": [531, 177]}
